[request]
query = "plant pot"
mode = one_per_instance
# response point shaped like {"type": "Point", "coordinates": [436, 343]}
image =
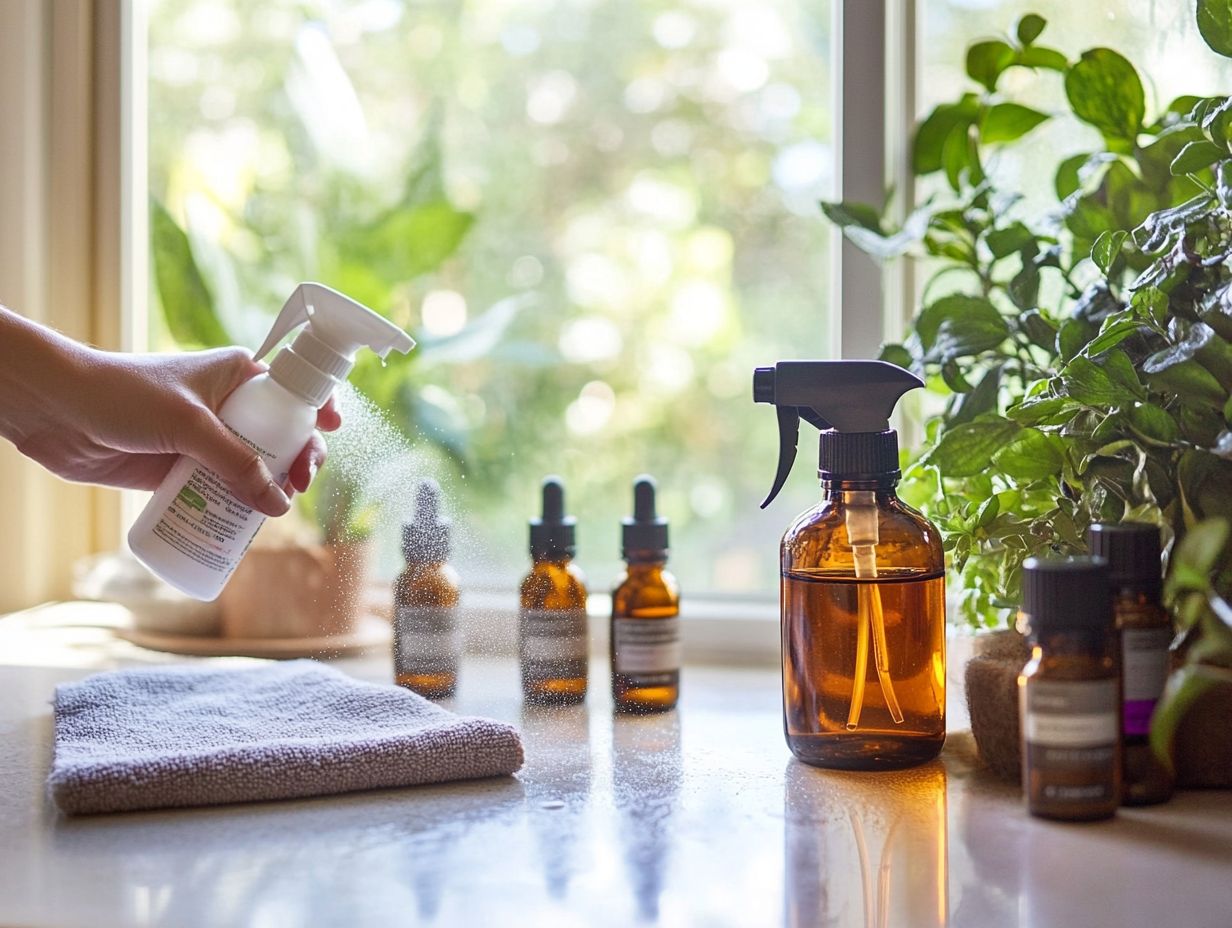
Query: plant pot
{"type": "Point", "coordinates": [1203, 746]}
{"type": "Point", "coordinates": [296, 591]}
{"type": "Point", "coordinates": [991, 683]}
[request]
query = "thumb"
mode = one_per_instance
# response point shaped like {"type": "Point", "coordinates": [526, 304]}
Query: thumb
{"type": "Point", "coordinates": [215, 446]}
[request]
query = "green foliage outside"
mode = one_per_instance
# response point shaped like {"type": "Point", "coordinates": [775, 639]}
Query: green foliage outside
{"type": "Point", "coordinates": [614, 201]}
{"type": "Point", "coordinates": [1086, 353]}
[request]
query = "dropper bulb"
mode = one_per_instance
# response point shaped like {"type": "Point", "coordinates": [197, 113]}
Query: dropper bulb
{"type": "Point", "coordinates": [644, 499]}
{"type": "Point", "coordinates": [553, 500]}
{"type": "Point", "coordinates": [427, 502]}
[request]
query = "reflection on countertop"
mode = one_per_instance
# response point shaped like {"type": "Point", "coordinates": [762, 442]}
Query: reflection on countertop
{"type": "Point", "coordinates": [692, 817]}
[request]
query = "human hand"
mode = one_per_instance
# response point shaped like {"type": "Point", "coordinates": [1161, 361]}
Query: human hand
{"type": "Point", "coordinates": [124, 419]}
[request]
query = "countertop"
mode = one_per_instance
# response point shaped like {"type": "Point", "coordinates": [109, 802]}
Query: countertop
{"type": "Point", "coordinates": [694, 817]}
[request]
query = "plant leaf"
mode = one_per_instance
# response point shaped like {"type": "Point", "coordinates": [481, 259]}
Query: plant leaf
{"type": "Point", "coordinates": [188, 305]}
{"type": "Point", "coordinates": [1030, 455]}
{"type": "Point", "coordinates": [1029, 28]}
{"type": "Point", "coordinates": [1215, 25]}
{"type": "Point", "coordinates": [968, 449]}
{"type": "Point", "coordinates": [1197, 155]}
{"type": "Point", "coordinates": [1185, 686]}
{"type": "Point", "coordinates": [1039, 57]}
{"type": "Point", "coordinates": [1090, 385]}
{"type": "Point", "coordinates": [930, 137]}
{"type": "Point", "coordinates": [981, 400]}
{"type": "Point", "coordinates": [959, 326]}
{"type": "Point", "coordinates": [1104, 90]}
{"type": "Point", "coordinates": [861, 215]}
{"type": "Point", "coordinates": [1153, 422]}
{"type": "Point", "coordinates": [1191, 381]}
{"type": "Point", "coordinates": [1005, 122]}
{"type": "Point", "coordinates": [1107, 247]}
{"type": "Point", "coordinates": [986, 60]}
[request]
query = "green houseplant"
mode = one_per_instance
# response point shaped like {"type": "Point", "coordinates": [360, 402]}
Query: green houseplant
{"type": "Point", "coordinates": [1084, 353]}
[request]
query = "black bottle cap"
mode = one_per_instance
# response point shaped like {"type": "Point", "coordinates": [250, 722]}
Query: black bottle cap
{"type": "Point", "coordinates": [553, 535]}
{"type": "Point", "coordinates": [646, 531]}
{"type": "Point", "coordinates": [1132, 550]}
{"type": "Point", "coordinates": [425, 539]}
{"type": "Point", "coordinates": [1067, 594]}
{"type": "Point", "coordinates": [857, 455]}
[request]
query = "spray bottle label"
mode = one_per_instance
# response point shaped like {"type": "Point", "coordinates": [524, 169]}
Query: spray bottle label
{"type": "Point", "coordinates": [205, 522]}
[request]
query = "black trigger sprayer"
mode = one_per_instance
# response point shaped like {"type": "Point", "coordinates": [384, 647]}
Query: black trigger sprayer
{"type": "Point", "coordinates": [850, 402]}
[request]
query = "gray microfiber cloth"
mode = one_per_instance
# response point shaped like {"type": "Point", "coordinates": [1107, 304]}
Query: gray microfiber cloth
{"type": "Point", "coordinates": [188, 736]}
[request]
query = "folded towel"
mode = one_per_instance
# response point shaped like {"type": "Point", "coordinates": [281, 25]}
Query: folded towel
{"type": "Point", "coordinates": [189, 736]}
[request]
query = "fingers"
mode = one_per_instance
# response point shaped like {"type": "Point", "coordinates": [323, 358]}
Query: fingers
{"type": "Point", "coordinates": [242, 469]}
{"type": "Point", "coordinates": [328, 417]}
{"type": "Point", "coordinates": [222, 370]}
{"type": "Point", "coordinates": [305, 467]}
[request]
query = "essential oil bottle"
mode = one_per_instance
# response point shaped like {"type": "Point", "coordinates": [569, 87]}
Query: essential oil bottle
{"type": "Point", "coordinates": [1132, 551]}
{"type": "Point", "coordinates": [863, 577]}
{"type": "Point", "coordinates": [1070, 691]}
{"type": "Point", "coordinates": [645, 631]}
{"type": "Point", "coordinates": [552, 628]}
{"type": "Point", "coordinates": [426, 642]}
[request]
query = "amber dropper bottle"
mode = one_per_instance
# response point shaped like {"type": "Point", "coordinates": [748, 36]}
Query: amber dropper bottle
{"type": "Point", "coordinates": [552, 629]}
{"type": "Point", "coordinates": [1069, 694]}
{"type": "Point", "coordinates": [645, 631]}
{"type": "Point", "coordinates": [426, 642]}
{"type": "Point", "coordinates": [1133, 553]}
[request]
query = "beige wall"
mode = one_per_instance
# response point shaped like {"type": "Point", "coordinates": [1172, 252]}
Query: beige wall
{"type": "Point", "coordinates": [71, 211]}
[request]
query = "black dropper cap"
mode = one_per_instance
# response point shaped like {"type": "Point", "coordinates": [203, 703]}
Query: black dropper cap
{"type": "Point", "coordinates": [1131, 549]}
{"type": "Point", "coordinates": [553, 535]}
{"type": "Point", "coordinates": [646, 532]}
{"type": "Point", "coordinates": [425, 539]}
{"type": "Point", "coordinates": [1067, 594]}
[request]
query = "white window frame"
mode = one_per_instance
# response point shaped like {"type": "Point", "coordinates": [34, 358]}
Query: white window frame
{"type": "Point", "coordinates": [74, 171]}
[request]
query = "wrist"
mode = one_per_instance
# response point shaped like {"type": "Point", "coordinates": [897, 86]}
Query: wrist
{"type": "Point", "coordinates": [40, 370]}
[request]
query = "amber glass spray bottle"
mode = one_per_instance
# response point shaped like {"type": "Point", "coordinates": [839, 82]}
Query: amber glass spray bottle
{"type": "Point", "coordinates": [863, 577]}
{"type": "Point", "coordinates": [552, 628]}
{"type": "Point", "coordinates": [1132, 551]}
{"type": "Point", "coordinates": [645, 631]}
{"type": "Point", "coordinates": [426, 643]}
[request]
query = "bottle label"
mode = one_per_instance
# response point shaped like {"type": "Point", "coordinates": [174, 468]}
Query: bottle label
{"type": "Point", "coordinates": [426, 639]}
{"type": "Point", "coordinates": [645, 646]}
{"type": "Point", "coordinates": [1144, 656]}
{"type": "Point", "coordinates": [550, 635]}
{"type": "Point", "coordinates": [206, 523]}
{"type": "Point", "coordinates": [1070, 731]}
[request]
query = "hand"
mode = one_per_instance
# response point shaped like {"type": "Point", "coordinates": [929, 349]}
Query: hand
{"type": "Point", "coordinates": [124, 419]}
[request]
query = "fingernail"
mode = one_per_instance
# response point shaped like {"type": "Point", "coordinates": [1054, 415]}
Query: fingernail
{"type": "Point", "coordinates": [274, 500]}
{"type": "Point", "coordinates": [313, 464]}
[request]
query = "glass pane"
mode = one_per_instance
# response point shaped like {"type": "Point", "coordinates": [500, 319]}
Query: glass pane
{"type": "Point", "coordinates": [597, 218]}
{"type": "Point", "coordinates": [1159, 37]}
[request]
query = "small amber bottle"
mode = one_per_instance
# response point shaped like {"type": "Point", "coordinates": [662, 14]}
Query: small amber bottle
{"type": "Point", "coordinates": [645, 632]}
{"type": "Point", "coordinates": [426, 642]}
{"type": "Point", "coordinates": [1069, 692]}
{"type": "Point", "coordinates": [1133, 553]}
{"type": "Point", "coordinates": [552, 627]}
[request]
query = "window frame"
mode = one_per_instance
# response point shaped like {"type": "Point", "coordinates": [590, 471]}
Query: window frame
{"type": "Point", "coordinates": [81, 87]}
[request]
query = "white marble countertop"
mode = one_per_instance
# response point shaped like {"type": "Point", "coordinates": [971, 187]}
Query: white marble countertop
{"type": "Point", "coordinates": [694, 817]}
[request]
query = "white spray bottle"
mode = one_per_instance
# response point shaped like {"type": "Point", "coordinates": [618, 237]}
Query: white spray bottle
{"type": "Point", "coordinates": [193, 532]}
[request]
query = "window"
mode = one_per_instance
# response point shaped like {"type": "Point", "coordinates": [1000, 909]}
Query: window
{"type": "Point", "coordinates": [597, 218]}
